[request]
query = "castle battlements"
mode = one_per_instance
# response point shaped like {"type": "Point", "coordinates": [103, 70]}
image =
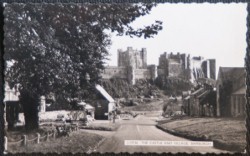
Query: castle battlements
{"type": "Point", "coordinates": [131, 57]}
{"type": "Point", "coordinates": [132, 65]}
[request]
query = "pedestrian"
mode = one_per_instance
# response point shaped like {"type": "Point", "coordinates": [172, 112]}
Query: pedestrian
{"type": "Point", "coordinates": [114, 117]}
{"type": "Point", "coordinates": [110, 116]}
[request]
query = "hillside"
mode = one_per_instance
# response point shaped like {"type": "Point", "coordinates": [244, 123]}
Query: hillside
{"type": "Point", "coordinates": [173, 85]}
{"type": "Point", "coordinates": [119, 88]}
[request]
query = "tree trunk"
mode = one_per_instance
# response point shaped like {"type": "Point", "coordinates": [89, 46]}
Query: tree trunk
{"type": "Point", "coordinates": [30, 104]}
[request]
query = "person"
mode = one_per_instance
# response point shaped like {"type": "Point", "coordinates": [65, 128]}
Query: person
{"type": "Point", "coordinates": [110, 116]}
{"type": "Point", "coordinates": [114, 115]}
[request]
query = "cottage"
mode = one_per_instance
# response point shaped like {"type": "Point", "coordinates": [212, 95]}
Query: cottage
{"type": "Point", "coordinates": [231, 91]}
{"type": "Point", "coordinates": [12, 106]}
{"type": "Point", "coordinates": [238, 102]}
{"type": "Point", "coordinates": [200, 102]}
{"type": "Point", "coordinates": [104, 104]}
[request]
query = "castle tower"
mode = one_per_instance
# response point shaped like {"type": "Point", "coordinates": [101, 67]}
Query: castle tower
{"type": "Point", "coordinates": [153, 71]}
{"type": "Point", "coordinates": [143, 54]}
{"type": "Point", "coordinates": [130, 59]}
{"type": "Point", "coordinates": [208, 69]}
{"type": "Point", "coordinates": [212, 68]}
{"type": "Point", "coordinates": [119, 58]}
{"type": "Point", "coordinates": [131, 75]}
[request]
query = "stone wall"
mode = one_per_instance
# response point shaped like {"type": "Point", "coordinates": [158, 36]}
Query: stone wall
{"type": "Point", "coordinates": [114, 72]}
{"type": "Point", "coordinates": [153, 71]}
{"type": "Point", "coordinates": [129, 73]}
{"type": "Point", "coordinates": [142, 74]}
{"type": "Point", "coordinates": [161, 72]}
{"type": "Point", "coordinates": [175, 70]}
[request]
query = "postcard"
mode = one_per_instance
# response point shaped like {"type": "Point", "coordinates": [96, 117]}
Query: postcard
{"type": "Point", "coordinates": [125, 77]}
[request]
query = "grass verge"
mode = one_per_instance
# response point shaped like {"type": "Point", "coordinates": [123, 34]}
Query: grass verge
{"type": "Point", "coordinates": [102, 126]}
{"type": "Point", "coordinates": [226, 133]}
{"type": "Point", "coordinates": [77, 142]}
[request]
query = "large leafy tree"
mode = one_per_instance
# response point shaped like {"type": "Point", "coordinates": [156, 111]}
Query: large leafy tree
{"type": "Point", "coordinates": [52, 47]}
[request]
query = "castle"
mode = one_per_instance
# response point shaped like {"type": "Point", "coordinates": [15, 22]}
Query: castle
{"type": "Point", "coordinates": [186, 67]}
{"type": "Point", "coordinates": [133, 58]}
{"type": "Point", "coordinates": [132, 65]}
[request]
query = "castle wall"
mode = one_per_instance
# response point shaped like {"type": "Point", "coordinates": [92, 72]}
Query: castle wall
{"type": "Point", "coordinates": [142, 74]}
{"type": "Point", "coordinates": [143, 53]}
{"type": "Point", "coordinates": [131, 75]}
{"type": "Point", "coordinates": [212, 63]}
{"type": "Point", "coordinates": [114, 72]}
{"type": "Point", "coordinates": [161, 72]}
{"type": "Point", "coordinates": [132, 65]}
{"type": "Point", "coordinates": [175, 69]}
{"type": "Point", "coordinates": [153, 71]}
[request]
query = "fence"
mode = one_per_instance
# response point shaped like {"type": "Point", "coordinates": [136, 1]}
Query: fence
{"type": "Point", "coordinates": [24, 140]}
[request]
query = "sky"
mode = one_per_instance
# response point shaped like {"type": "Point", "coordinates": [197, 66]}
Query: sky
{"type": "Point", "coordinates": [209, 30]}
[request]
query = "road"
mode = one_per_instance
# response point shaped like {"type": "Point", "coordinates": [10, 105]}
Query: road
{"type": "Point", "coordinates": [143, 128]}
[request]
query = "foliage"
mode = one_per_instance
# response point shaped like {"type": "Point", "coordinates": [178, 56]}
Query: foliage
{"type": "Point", "coordinates": [173, 86]}
{"type": "Point", "coordinates": [120, 88]}
{"type": "Point", "coordinates": [30, 105]}
{"type": "Point", "coordinates": [52, 47]}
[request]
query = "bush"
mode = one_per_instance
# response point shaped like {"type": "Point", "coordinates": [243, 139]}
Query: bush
{"type": "Point", "coordinates": [119, 88]}
{"type": "Point", "coordinates": [173, 86]}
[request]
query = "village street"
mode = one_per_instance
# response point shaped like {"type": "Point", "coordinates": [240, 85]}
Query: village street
{"type": "Point", "coordinates": [143, 128]}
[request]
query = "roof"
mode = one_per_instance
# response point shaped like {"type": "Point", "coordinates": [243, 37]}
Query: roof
{"type": "Point", "coordinates": [231, 73]}
{"type": "Point", "coordinates": [207, 81]}
{"type": "Point", "coordinates": [89, 107]}
{"type": "Point", "coordinates": [104, 93]}
{"type": "Point", "coordinates": [81, 103]}
{"type": "Point", "coordinates": [197, 91]}
{"type": "Point", "coordinates": [204, 94]}
{"type": "Point", "coordinates": [240, 91]}
{"type": "Point", "coordinates": [186, 98]}
{"type": "Point", "coordinates": [86, 106]}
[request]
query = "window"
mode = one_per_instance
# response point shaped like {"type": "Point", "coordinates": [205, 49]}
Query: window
{"type": "Point", "coordinates": [98, 104]}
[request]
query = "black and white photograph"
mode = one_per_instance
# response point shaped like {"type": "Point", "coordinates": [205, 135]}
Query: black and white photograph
{"type": "Point", "coordinates": [125, 77]}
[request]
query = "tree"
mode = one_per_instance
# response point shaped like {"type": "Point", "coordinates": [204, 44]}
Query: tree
{"type": "Point", "coordinates": [52, 47]}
